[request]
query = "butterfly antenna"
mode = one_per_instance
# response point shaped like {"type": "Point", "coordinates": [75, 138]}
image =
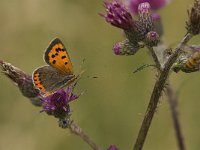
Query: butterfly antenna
{"type": "Point", "coordinates": [82, 71]}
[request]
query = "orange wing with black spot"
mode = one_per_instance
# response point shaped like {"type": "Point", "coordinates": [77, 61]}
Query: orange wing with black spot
{"type": "Point", "coordinates": [37, 82]}
{"type": "Point", "coordinates": [48, 79]}
{"type": "Point", "coordinates": [56, 56]}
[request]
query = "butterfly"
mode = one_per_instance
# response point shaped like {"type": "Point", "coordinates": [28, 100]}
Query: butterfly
{"type": "Point", "coordinates": [59, 71]}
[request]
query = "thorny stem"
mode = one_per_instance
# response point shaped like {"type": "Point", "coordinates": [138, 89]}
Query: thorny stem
{"type": "Point", "coordinates": [75, 129]}
{"type": "Point", "coordinates": [172, 97]}
{"type": "Point", "coordinates": [157, 90]}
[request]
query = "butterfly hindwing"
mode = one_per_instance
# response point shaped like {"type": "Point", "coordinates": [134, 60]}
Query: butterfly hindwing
{"type": "Point", "coordinates": [48, 79]}
{"type": "Point", "coordinates": [56, 56]}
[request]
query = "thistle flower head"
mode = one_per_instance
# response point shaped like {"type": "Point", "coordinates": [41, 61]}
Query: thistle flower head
{"type": "Point", "coordinates": [125, 48]}
{"type": "Point", "coordinates": [117, 15]}
{"type": "Point", "coordinates": [112, 147]}
{"type": "Point", "coordinates": [193, 23]}
{"type": "Point", "coordinates": [23, 81]}
{"type": "Point", "coordinates": [155, 4]}
{"type": "Point", "coordinates": [57, 104]}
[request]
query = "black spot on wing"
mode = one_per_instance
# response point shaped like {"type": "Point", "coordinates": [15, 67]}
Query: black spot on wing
{"type": "Point", "coordinates": [49, 48]}
{"type": "Point", "coordinates": [54, 61]}
{"type": "Point", "coordinates": [63, 57]}
{"type": "Point", "coordinates": [58, 49]}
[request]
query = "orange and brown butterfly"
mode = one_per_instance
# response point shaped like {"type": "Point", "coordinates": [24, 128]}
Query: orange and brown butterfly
{"type": "Point", "coordinates": [59, 71]}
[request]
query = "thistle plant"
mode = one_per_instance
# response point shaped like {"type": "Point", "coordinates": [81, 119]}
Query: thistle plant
{"type": "Point", "coordinates": [142, 27]}
{"type": "Point", "coordinates": [146, 31]}
{"type": "Point", "coordinates": [56, 104]}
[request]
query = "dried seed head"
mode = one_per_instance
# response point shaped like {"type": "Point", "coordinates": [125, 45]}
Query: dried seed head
{"type": "Point", "coordinates": [193, 23]}
{"type": "Point", "coordinates": [23, 81]}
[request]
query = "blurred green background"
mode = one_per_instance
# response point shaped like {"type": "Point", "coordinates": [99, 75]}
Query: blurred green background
{"type": "Point", "coordinates": [113, 106]}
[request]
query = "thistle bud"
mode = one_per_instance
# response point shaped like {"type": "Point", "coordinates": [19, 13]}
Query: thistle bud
{"type": "Point", "coordinates": [145, 22]}
{"type": "Point", "coordinates": [125, 48]}
{"type": "Point", "coordinates": [152, 38]}
{"type": "Point", "coordinates": [145, 19]}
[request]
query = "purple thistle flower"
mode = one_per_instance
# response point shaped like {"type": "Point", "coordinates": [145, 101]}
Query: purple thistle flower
{"type": "Point", "coordinates": [57, 104]}
{"type": "Point", "coordinates": [117, 15]}
{"type": "Point", "coordinates": [112, 147]}
{"type": "Point", "coordinates": [155, 4]}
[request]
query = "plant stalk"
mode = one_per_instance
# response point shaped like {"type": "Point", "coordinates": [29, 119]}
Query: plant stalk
{"type": "Point", "coordinates": [157, 90]}
{"type": "Point", "coordinates": [75, 129]}
{"type": "Point", "coordinates": [172, 98]}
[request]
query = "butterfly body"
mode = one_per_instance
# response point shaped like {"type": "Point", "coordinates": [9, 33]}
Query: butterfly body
{"type": "Point", "coordinates": [59, 71]}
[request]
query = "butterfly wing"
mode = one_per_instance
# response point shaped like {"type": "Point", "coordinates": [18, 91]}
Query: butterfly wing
{"type": "Point", "coordinates": [47, 79]}
{"type": "Point", "coordinates": [56, 56]}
